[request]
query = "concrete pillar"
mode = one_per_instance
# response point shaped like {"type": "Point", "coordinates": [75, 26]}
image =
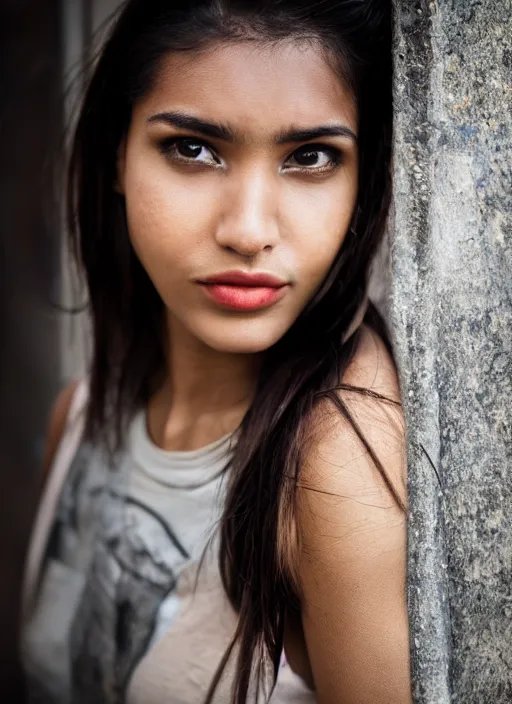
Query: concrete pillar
{"type": "Point", "coordinates": [450, 307]}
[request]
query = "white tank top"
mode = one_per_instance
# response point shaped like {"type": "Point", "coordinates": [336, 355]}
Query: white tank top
{"type": "Point", "coordinates": [115, 609]}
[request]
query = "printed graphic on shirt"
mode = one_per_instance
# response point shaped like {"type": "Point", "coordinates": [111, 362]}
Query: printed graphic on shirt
{"type": "Point", "coordinates": [130, 558]}
{"type": "Point", "coordinates": [134, 569]}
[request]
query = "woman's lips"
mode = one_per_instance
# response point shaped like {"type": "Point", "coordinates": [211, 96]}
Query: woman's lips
{"type": "Point", "coordinates": [237, 297]}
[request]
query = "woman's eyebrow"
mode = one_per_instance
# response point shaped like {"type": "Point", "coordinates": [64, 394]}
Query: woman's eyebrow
{"type": "Point", "coordinates": [223, 132]}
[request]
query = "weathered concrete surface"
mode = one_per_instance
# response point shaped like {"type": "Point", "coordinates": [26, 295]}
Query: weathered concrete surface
{"type": "Point", "coordinates": [450, 309]}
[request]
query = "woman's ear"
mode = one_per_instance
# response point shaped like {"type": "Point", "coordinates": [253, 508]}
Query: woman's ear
{"type": "Point", "coordinates": [120, 167]}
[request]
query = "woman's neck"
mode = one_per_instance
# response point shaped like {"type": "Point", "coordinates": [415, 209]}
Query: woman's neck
{"type": "Point", "coordinates": [205, 394]}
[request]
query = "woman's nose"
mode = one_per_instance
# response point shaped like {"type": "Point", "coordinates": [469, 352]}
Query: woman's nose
{"type": "Point", "coordinates": [248, 224]}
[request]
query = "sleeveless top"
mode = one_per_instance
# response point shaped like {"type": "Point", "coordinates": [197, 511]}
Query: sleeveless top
{"type": "Point", "coordinates": [123, 600]}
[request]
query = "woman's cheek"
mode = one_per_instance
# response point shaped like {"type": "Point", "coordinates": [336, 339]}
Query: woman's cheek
{"type": "Point", "coordinates": [319, 242]}
{"type": "Point", "coordinates": [319, 214]}
{"type": "Point", "coordinates": [165, 217]}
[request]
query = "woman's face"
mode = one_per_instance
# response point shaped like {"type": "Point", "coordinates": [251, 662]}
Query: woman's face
{"type": "Point", "coordinates": [240, 193]}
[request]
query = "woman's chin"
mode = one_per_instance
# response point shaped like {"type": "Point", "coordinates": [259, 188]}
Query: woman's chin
{"type": "Point", "coordinates": [241, 338]}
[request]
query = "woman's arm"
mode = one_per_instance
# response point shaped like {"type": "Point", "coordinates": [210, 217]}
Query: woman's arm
{"type": "Point", "coordinates": [353, 559]}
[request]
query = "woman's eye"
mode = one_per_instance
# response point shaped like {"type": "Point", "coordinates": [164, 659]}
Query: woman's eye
{"type": "Point", "coordinates": [187, 150]}
{"type": "Point", "coordinates": [317, 157]}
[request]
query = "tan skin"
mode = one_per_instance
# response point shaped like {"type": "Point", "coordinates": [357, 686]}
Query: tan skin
{"type": "Point", "coordinates": [255, 205]}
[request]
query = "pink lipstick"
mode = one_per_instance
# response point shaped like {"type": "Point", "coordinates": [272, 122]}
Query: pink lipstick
{"type": "Point", "coordinates": [239, 290]}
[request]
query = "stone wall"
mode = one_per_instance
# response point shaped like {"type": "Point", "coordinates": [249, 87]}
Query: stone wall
{"type": "Point", "coordinates": [450, 310]}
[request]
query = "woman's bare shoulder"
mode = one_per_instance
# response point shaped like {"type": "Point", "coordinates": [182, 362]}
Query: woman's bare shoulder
{"type": "Point", "coordinates": [372, 366]}
{"type": "Point", "coordinates": [334, 443]}
{"type": "Point", "coordinates": [353, 537]}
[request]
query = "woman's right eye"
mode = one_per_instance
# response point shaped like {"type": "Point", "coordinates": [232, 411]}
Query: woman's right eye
{"type": "Point", "coordinates": [187, 150]}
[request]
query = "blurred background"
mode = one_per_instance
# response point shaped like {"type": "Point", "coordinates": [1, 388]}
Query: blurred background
{"type": "Point", "coordinates": [45, 48]}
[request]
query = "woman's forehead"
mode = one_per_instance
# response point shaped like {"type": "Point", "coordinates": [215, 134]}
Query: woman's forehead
{"type": "Point", "coordinates": [255, 88]}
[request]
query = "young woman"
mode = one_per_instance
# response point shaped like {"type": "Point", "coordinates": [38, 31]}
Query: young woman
{"type": "Point", "coordinates": [224, 516]}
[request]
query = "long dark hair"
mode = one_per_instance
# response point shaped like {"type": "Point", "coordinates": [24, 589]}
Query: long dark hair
{"type": "Point", "coordinates": [307, 364]}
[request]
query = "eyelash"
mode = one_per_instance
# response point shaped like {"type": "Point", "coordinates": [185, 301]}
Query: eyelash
{"type": "Point", "coordinates": [169, 149]}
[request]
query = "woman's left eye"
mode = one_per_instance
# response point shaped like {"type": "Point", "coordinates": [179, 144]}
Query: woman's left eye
{"type": "Point", "coordinates": [317, 157]}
